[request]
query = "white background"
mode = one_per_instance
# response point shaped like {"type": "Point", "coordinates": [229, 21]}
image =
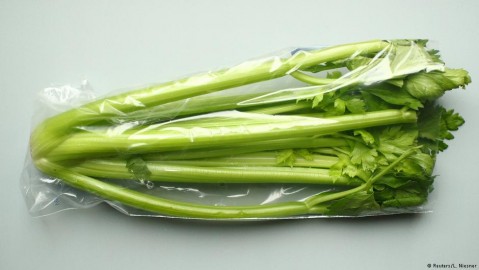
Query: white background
{"type": "Point", "coordinates": [117, 44]}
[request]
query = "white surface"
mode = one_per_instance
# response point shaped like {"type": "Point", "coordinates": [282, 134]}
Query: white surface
{"type": "Point", "coordinates": [117, 44]}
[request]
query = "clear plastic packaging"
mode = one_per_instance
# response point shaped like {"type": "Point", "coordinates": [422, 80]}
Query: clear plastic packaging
{"type": "Point", "coordinates": [348, 130]}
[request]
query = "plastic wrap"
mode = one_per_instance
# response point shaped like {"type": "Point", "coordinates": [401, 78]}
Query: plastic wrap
{"type": "Point", "coordinates": [349, 130]}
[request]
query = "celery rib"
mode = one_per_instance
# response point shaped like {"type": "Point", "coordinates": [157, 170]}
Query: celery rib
{"type": "Point", "coordinates": [82, 145]}
{"type": "Point", "coordinates": [117, 169]}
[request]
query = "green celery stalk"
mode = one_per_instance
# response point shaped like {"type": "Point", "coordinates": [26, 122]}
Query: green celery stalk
{"type": "Point", "coordinates": [256, 159]}
{"type": "Point", "coordinates": [282, 108]}
{"type": "Point", "coordinates": [251, 147]}
{"type": "Point", "coordinates": [81, 145]}
{"type": "Point", "coordinates": [117, 169]}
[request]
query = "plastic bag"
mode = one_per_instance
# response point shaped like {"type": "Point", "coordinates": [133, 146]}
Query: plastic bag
{"type": "Point", "coordinates": [349, 130]}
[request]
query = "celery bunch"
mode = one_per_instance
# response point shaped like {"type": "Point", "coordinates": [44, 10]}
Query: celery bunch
{"type": "Point", "coordinates": [366, 123]}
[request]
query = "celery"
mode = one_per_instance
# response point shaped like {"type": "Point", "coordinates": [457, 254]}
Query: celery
{"type": "Point", "coordinates": [372, 134]}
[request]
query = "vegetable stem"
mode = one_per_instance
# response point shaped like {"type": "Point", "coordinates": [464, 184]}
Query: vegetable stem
{"type": "Point", "coordinates": [257, 159]}
{"type": "Point", "coordinates": [80, 145]}
{"type": "Point", "coordinates": [282, 108]}
{"type": "Point", "coordinates": [117, 169]}
{"type": "Point", "coordinates": [250, 147]}
{"type": "Point", "coordinates": [310, 79]}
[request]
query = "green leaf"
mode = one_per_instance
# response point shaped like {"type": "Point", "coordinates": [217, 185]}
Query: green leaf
{"type": "Point", "coordinates": [364, 156]}
{"type": "Point", "coordinates": [317, 99]}
{"type": "Point", "coordinates": [286, 157]}
{"type": "Point", "coordinates": [325, 101]}
{"type": "Point", "coordinates": [410, 169]}
{"type": "Point", "coordinates": [425, 161]}
{"type": "Point", "coordinates": [382, 160]}
{"type": "Point", "coordinates": [407, 193]}
{"type": "Point", "coordinates": [332, 104]}
{"type": "Point", "coordinates": [405, 200]}
{"type": "Point", "coordinates": [452, 120]}
{"type": "Point", "coordinates": [339, 107]}
{"type": "Point", "coordinates": [334, 74]}
{"type": "Point", "coordinates": [138, 167]}
{"type": "Point", "coordinates": [435, 125]}
{"type": "Point", "coordinates": [336, 170]}
{"type": "Point", "coordinates": [398, 82]}
{"type": "Point", "coordinates": [367, 137]}
{"type": "Point", "coordinates": [350, 170]}
{"type": "Point", "coordinates": [358, 61]}
{"type": "Point", "coordinates": [421, 42]}
{"type": "Point", "coordinates": [395, 140]}
{"type": "Point", "coordinates": [353, 204]}
{"type": "Point", "coordinates": [396, 96]}
{"type": "Point", "coordinates": [459, 77]}
{"type": "Point", "coordinates": [449, 121]}
{"type": "Point", "coordinates": [432, 85]}
{"type": "Point", "coordinates": [374, 103]}
{"type": "Point", "coordinates": [429, 121]}
{"type": "Point", "coordinates": [441, 146]}
{"type": "Point", "coordinates": [435, 55]}
{"type": "Point", "coordinates": [356, 105]}
{"type": "Point", "coordinates": [393, 181]}
{"type": "Point", "coordinates": [304, 153]}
